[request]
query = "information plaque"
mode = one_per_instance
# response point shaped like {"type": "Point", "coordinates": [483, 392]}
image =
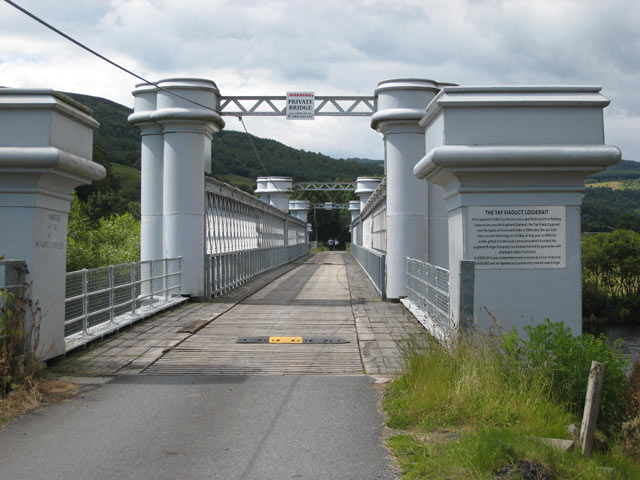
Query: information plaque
{"type": "Point", "coordinates": [518, 237]}
{"type": "Point", "coordinates": [301, 105]}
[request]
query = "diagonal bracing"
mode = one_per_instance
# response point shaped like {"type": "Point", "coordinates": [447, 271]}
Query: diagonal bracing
{"type": "Point", "coordinates": [275, 106]}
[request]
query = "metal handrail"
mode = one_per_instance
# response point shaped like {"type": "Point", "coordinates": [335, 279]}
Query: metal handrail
{"type": "Point", "coordinates": [139, 296]}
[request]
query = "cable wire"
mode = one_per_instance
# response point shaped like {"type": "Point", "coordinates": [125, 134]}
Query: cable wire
{"type": "Point", "coordinates": [102, 57]}
{"type": "Point", "coordinates": [255, 150]}
{"type": "Point", "coordinates": [139, 77]}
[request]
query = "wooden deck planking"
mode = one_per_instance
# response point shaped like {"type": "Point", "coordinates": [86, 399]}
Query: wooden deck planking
{"type": "Point", "coordinates": [311, 301]}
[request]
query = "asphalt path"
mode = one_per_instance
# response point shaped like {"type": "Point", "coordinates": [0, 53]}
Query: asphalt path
{"type": "Point", "coordinates": [204, 427]}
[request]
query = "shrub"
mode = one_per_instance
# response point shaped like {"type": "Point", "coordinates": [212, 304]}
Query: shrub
{"type": "Point", "coordinates": [19, 338]}
{"type": "Point", "coordinates": [468, 385]}
{"type": "Point", "coordinates": [552, 352]}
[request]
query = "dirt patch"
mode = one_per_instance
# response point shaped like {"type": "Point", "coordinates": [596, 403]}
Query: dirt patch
{"type": "Point", "coordinates": [525, 470]}
{"type": "Point", "coordinates": [35, 394]}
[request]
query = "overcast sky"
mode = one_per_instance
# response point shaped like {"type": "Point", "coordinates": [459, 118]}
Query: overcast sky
{"type": "Point", "coordinates": [332, 47]}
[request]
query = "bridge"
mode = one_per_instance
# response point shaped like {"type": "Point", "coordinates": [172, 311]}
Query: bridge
{"type": "Point", "coordinates": [476, 223]}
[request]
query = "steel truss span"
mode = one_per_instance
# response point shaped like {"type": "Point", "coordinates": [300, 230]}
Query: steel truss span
{"type": "Point", "coordinates": [325, 186]}
{"type": "Point", "coordinates": [275, 106]}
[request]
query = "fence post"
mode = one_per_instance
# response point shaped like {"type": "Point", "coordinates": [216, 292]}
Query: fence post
{"type": "Point", "coordinates": [165, 277]}
{"type": "Point", "coordinates": [111, 294]}
{"type": "Point", "coordinates": [132, 274]}
{"type": "Point", "coordinates": [85, 306]}
{"type": "Point", "coordinates": [591, 407]}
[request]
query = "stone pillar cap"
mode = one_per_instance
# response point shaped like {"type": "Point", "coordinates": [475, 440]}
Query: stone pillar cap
{"type": "Point", "coordinates": [354, 205]}
{"type": "Point", "coordinates": [403, 100]}
{"type": "Point", "coordinates": [515, 96]}
{"type": "Point", "coordinates": [274, 185]}
{"type": "Point", "coordinates": [516, 157]}
{"type": "Point", "coordinates": [299, 205]}
{"type": "Point", "coordinates": [366, 184]}
{"type": "Point", "coordinates": [40, 159]}
{"type": "Point", "coordinates": [46, 99]}
{"type": "Point", "coordinates": [410, 84]}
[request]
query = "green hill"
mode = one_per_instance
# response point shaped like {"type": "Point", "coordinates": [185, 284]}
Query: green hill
{"type": "Point", "coordinates": [623, 170]}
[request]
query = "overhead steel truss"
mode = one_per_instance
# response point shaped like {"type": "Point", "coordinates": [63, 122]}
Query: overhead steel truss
{"type": "Point", "coordinates": [330, 206]}
{"type": "Point", "coordinates": [324, 186]}
{"type": "Point", "coordinates": [275, 106]}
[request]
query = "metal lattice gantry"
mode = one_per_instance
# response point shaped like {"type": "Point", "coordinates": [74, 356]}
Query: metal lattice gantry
{"type": "Point", "coordinates": [330, 206]}
{"type": "Point", "coordinates": [275, 106]}
{"type": "Point", "coordinates": [325, 186]}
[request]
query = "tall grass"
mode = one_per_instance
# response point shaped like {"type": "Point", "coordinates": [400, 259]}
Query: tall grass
{"type": "Point", "coordinates": [499, 403]}
{"type": "Point", "coordinates": [470, 386]}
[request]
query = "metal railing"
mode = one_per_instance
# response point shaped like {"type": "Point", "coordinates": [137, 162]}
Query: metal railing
{"type": "Point", "coordinates": [428, 289]}
{"type": "Point", "coordinates": [370, 226]}
{"type": "Point", "coordinates": [373, 263]}
{"type": "Point", "coordinates": [96, 298]}
{"type": "Point", "coordinates": [245, 237]}
{"type": "Point", "coordinates": [227, 271]}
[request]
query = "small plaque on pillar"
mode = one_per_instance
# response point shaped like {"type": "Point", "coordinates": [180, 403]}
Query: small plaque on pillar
{"type": "Point", "coordinates": [517, 237]}
{"type": "Point", "coordinates": [301, 105]}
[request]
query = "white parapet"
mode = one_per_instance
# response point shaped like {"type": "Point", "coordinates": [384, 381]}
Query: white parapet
{"type": "Point", "coordinates": [401, 104]}
{"type": "Point", "coordinates": [365, 186]}
{"type": "Point", "coordinates": [152, 169]}
{"type": "Point", "coordinates": [512, 163]}
{"type": "Point", "coordinates": [300, 209]}
{"type": "Point", "coordinates": [46, 145]}
{"type": "Point", "coordinates": [275, 191]}
{"type": "Point", "coordinates": [187, 132]}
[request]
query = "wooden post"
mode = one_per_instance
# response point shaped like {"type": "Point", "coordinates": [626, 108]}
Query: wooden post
{"type": "Point", "coordinates": [591, 407]}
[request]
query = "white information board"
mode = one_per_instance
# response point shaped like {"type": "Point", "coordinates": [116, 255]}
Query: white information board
{"type": "Point", "coordinates": [301, 105]}
{"type": "Point", "coordinates": [518, 237]}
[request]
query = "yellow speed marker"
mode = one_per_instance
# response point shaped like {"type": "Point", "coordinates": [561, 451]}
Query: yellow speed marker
{"type": "Point", "coordinates": [285, 339]}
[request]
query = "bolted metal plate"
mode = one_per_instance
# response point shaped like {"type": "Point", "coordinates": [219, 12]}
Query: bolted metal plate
{"type": "Point", "coordinates": [253, 340]}
{"type": "Point", "coordinates": [285, 339]}
{"type": "Point", "coordinates": [298, 340]}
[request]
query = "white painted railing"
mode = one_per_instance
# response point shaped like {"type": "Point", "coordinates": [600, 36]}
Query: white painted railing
{"type": "Point", "coordinates": [370, 226]}
{"type": "Point", "coordinates": [373, 263]}
{"type": "Point", "coordinates": [245, 237]}
{"type": "Point", "coordinates": [369, 234]}
{"type": "Point", "coordinates": [101, 300]}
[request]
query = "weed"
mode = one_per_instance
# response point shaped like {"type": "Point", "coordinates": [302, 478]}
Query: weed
{"type": "Point", "coordinates": [552, 352]}
{"type": "Point", "coordinates": [19, 337]}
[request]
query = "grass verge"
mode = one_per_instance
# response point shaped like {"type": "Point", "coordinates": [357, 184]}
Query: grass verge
{"type": "Point", "coordinates": [464, 413]}
{"type": "Point", "coordinates": [34, 394]}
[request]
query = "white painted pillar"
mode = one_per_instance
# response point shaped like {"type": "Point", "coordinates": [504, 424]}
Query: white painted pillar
{"type": "Point", "coordinates": [354, 208]}
{"type": "Point", "coordinates": [401, 104]}
{"type": "Point", "coordinates": [187, 134]}
{"type": "Point", "coordinates": [300, 209]}
{"type": "Point", "coordinates": [512, 163]}
{"type": "Point", "coordinates": [46, 150]}
{"type": "Point", "coordinates": [152, 168]}
{"type": "Point", "coordinates": [275, 191]}
{"type": "Point", "coordinates": [365, 186]}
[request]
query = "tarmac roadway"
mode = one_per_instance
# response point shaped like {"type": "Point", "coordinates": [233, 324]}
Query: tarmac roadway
{"type": "Point", "coordinates": [145, 421]}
